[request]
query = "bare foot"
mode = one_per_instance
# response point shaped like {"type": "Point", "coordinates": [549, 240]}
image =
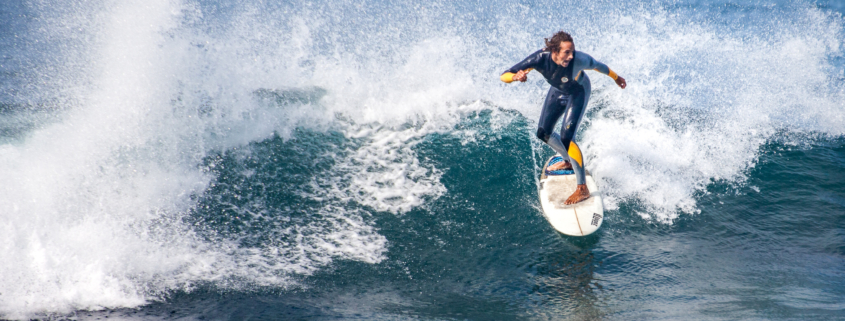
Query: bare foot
{"type": "Point", "coordinates": [581, 193]}
{"type": "Point", "coordinates": [559, 166]}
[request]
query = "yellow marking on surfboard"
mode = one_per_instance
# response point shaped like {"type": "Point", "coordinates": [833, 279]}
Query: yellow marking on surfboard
{"type": "Point", "coordinates": [575, 153]}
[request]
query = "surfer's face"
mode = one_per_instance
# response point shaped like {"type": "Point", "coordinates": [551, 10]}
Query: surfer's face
{"type": "Point", "coordinates": [563, 56]}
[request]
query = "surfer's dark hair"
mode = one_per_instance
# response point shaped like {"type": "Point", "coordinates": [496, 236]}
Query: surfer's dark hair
{"type": "Point", "coordinates": [553, 43]}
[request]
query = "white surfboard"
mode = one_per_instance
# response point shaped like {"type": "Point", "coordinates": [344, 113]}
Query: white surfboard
{"type": "Point", "coordinates": [579, 219]}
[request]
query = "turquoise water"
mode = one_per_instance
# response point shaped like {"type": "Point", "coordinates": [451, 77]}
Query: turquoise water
{"type": "Point", "coordinates": [360, 160]}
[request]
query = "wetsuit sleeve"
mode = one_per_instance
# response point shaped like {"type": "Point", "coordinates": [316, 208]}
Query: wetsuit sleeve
{"type": "Point", "coordinates": [530, 62]}
{"type": "Point", "coordinates": [586, 62]}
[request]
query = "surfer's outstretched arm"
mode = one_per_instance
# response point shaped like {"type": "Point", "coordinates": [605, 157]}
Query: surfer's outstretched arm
{"type": "Point", "coordinates": [520, 71]}
{"type": "Point", "coordinates": [586, 62]}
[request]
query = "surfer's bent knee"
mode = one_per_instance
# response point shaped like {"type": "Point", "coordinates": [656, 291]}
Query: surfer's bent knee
{"type": "Point", "coordinates": [542, 135]}
{"type": "Point", "coordinates": [565, 140]}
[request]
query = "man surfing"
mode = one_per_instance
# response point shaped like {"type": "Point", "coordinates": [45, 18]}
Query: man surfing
{"type": "Point", "coordinates": [563, 68]}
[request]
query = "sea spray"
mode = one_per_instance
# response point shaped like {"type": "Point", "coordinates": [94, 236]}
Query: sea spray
{"type": "Point", "coordinates": [164, 167]}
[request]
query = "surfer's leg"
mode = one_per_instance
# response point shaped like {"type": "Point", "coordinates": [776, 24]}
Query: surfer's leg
{"type": "Point", "coordinates": [571, 119]}
{"type": "Point", "coordinates": [552, 110]}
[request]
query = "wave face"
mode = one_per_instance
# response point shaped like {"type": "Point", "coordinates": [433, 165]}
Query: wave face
{"type": "Point", "coordinates": [154, 149]}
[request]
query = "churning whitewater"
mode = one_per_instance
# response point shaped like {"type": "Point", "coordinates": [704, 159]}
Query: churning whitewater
{"type": "Point", "coordinates": [157, 153]}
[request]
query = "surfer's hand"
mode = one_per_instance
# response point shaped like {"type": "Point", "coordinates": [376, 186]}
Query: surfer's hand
{"type": "Point", "coordinates": [521, 76]}
{"type": "Point", "coordinates": [619, 81]}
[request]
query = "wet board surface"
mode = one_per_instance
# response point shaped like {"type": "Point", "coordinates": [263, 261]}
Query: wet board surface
{"type": "Point", "coordinates": [579, 219]}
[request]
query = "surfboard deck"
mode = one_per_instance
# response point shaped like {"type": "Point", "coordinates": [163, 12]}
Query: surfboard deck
{"type": "Point", "coordinates": [579, 219]}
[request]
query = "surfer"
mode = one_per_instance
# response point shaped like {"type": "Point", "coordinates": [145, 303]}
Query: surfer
{"type": "Point", "coordinates": [563, 68]}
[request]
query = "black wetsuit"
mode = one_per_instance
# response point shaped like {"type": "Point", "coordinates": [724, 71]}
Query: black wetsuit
{"type": "Point", "coordinates": [568, 97]}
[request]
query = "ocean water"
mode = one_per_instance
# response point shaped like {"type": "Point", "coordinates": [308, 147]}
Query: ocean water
{"type": "Point", "coordinates": [347, 159]}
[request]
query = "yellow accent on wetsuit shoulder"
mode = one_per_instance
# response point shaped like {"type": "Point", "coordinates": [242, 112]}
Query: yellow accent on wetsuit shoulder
{"type": "Point", "coordinates": [612, 74]}
{"type": "Point", "coordinates": [575, 153]}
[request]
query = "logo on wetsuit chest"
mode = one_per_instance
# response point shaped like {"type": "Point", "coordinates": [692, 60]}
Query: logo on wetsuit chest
{"type": "Point", "coordinates": [564, 79]}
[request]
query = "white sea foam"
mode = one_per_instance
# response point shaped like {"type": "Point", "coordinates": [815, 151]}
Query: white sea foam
{"type": "Point", "coordinates": [702, 101]}
{"type": "Point", "coordinates": [93, 207]}
{"type": "Point", "coordinates": [93, 214]}
{"type": "Point", "coordinates": [80, 195]}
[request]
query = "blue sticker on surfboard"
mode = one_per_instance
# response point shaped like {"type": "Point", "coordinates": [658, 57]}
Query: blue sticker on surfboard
{"type": "Point", "coordinates": [554, 160]}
